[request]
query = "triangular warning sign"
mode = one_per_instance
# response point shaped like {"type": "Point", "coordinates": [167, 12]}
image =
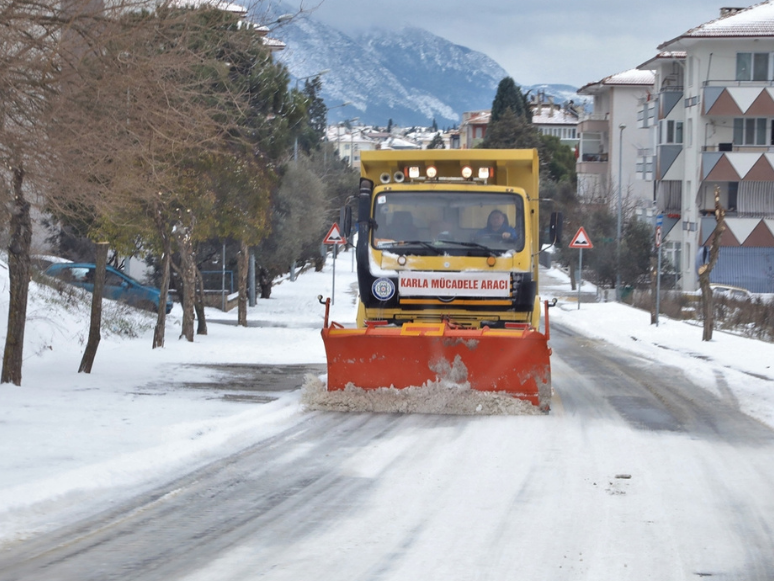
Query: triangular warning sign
{"type": "Point", "coordinates": [334, 236]}
{"type": "Point", "coordinates": [581, 240]}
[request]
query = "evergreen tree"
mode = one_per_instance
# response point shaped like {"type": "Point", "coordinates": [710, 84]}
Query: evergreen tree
{"type": "Point", "coordinates": [389, 126]}
{"type": "Point", "coordinates": [435, 125]}
{"type": "Point", "coordinates": [437, 142]}
{"type": "Point", "coordinates": [561, 166]}
{"type": "Point", "coordinates": [513, 132]}
{"type": "Point", "coordinates": [509, 96]}
{"type": "Point", "coordinates": [312, 129]}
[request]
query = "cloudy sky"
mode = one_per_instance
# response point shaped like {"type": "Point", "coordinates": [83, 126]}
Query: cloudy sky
{"type": "Point", "coordinates": [542, 41]}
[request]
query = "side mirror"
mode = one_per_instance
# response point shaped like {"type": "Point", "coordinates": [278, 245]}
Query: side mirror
{"type": "Point", "coordinates": [345, 220]}
{"type": "Point", "coordinates": [364, 200]}
{"type": "Point", "coordinates": [555, 229]}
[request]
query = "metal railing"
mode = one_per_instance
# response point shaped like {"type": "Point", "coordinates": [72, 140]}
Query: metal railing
{"type": "Point", "coordinates": [594, 117]}
{"type": "Point", "coordinates": [735, 83]}
{"type": "Point", "coordinates": [732, 147]}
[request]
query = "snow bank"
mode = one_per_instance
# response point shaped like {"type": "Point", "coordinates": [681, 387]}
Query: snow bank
{"type": "Point", "coordinates": [436, 397]}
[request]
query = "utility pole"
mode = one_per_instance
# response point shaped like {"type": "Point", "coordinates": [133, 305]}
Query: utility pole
{"type": "Point", "coordinates": [620, 214]}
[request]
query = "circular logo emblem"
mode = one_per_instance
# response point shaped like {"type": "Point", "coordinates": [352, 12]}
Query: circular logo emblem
{"type": "Point", "coordinates": [383, 289]}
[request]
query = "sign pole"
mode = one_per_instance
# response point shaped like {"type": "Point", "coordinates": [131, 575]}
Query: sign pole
{"type": "Point", "coordinates": [580, 276]}
{"type": "Point", "coordinates": [659, 222]}
{"type": "Point", "coordinates": [333, 282]}
{"type": "Point", "coordinates": [334, 237]}
{"type": "Point", "coordinates": [658, 285]}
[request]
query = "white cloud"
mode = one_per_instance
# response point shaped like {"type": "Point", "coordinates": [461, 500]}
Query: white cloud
{"type": "Point", "coordinates": [551, 42]}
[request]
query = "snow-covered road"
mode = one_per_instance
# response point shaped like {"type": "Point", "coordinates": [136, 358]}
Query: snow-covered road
{"type": "Point", "coordinates": [635, 474]}
{"type": "Point", "coordinates": [197, 461]}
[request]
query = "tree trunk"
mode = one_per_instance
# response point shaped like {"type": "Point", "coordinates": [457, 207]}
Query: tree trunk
{"type": "Point", "coordinates": [242, 266]}
{"type": "Point", "coordinates": [95, 324]}
{"type": "Point", "coordinates": [705, 269]}
{"type": "Point", "coordinates": [201, 320]}
{"type": "Point", "coordinates": [19, 274]}
{"type": "Point", "coordinates": [161, 316]}
{"type": "Point", "coordinates": [166, 259]}
{"type": "Point", "coordinates": [187, 272]}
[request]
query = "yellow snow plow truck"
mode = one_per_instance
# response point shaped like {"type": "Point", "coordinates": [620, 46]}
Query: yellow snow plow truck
{"type": "Point", "coordinates": [447, 265]}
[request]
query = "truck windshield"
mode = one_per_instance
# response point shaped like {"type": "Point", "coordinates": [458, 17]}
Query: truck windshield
{"type": "Point", "coordinates": [448, 222]}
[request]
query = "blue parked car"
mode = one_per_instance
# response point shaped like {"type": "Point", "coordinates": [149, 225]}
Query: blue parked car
{"type": "Point", "coordinates": [118, 286]}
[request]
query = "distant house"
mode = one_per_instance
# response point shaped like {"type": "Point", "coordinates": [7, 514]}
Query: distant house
{"type": "Point", "coordinates": [558, 120]}
{"type": "Point", "coordinates": [273, 44]}
{"type": "Point", "coordinates": [473, 128]}
{"type": "Point", "coordinates": [262, 31]}
{"type": "Point", "coordinates": [350, 141]}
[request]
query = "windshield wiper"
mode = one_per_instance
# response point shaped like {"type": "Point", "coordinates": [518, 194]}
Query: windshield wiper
{"type": "Point", "coordinates": [467, 244]}
{"type": "Point", "coordinates": [421, 243]}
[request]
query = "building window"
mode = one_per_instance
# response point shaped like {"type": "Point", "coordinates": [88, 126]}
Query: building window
{"type": "Point", "coordinates": [753, 66]}
{"type": "Point", "coordinates": [671, 132]}
{"type": "Point", "coordinates": [749, 131]}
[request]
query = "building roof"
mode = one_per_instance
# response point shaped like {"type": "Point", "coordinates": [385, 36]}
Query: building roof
{"type": "Point", "coordinates": [754, 21]}
{"type": "Point", "coordinates": [667, 55]}
{"type": "Point", "coordinates": [632, 77]}
{"type": "Point", "coordinates": [478, 118]}
{"type": "Point", "coordinates": [273, 43]}
{"type": "Point", "coordinates": [559, 117]}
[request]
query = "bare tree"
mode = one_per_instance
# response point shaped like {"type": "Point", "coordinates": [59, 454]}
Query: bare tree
{"type": "Point", "coordinates": [105, 110]}
{"type": "Point", "coordinates": [38, 59]}
{"type": "Point", "coordinates": [164, 99]}
{"type": "Point", "coordinates": [706, 269]}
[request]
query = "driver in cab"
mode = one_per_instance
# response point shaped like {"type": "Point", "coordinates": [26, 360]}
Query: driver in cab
{"type": "Point", "coordinates": [497, 227]}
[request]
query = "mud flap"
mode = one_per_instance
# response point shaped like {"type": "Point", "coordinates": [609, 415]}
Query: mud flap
{"type": "Point", "coordinates": [509, 361]}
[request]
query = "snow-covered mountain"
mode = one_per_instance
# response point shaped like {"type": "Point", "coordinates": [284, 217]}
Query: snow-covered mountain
{"type": "Point", "coordinates": [410, 76]}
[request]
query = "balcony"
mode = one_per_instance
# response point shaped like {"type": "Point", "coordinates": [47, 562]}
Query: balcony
{"type": "Point", "coordinates": [738, 98]}
{"type": "Point", "coordinates": [592, 163]}
{"type": "Point", "coordinates": [730, 147]}
{"type": "Point", "coordinates": [736, 164]}
{"type": "Point", "coordinates": [594, 123]}
{"type": "Point", "coordinates": [735, 83]}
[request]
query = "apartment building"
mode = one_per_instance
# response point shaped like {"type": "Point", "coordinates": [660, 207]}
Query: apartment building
{"type": "Point", "coordinates": [711, 126]}
{"type": "Point", "coordinates": [610, 140]}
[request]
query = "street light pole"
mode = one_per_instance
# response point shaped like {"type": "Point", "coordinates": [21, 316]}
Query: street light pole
{"type": "Point", "coordinates": [620, 212]}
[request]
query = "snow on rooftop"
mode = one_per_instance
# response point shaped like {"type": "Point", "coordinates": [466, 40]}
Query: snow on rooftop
{"type": "Point", "coordinates": [630, 77]}
{"type": "Point", "coordinates": [273, 43]}
{"type": "Point", "coordinates": [559, 117]}
{"type": "Point", "coordinates": [480, 117]}
{"type": "Point", "coordinates": [757, 20]}
{"type": "Point", "coordinates": [667, 55]}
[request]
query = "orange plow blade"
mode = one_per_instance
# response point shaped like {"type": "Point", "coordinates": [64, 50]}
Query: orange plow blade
{"type": "Point", "coordinates": [509, 361]}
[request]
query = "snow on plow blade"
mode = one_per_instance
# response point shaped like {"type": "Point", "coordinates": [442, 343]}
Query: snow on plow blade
{"type": "Point", "coordinates": [511, 362]}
